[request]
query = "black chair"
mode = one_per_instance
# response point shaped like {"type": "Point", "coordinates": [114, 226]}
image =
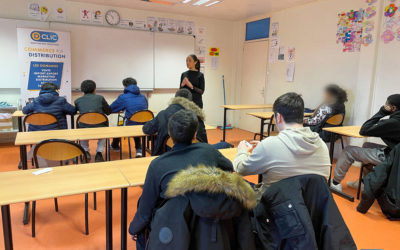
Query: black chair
{"type": "Point", "coordinates": [59, 150]}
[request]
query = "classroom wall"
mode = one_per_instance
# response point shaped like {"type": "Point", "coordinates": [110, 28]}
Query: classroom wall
{"type": "Point", "coordinates": [219, 34]}
{"type": "Point", "coordinates": [369, 76]}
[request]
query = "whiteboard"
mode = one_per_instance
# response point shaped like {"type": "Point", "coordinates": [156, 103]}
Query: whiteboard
{"type": "Point", "coordinates": [9, 66]}
{"type": "Point", "coordinates": [170, 52]}
{"type": "Point", "coordinates": [108, 55]}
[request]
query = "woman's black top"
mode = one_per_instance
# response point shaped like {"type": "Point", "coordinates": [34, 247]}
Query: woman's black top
{"type": "Point", "coordinates": [197, 80]}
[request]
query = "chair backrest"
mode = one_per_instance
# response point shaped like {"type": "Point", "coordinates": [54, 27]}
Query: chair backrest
{"type": "Point", "coordinates": [142, 116]}
{"type": "Point", "coordinates": [336, 120]}
{"type": "Point", "coordinates": [58, 150]}
{"type": "Point", "coordinates": [40, 119]}
{"type": "Point", "coordinates": [91, 118]}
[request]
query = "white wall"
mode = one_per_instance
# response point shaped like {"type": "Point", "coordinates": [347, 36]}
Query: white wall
{"type": "Point", "coordinates": [219, 34]}
{"type": "Point", "coordinates": [369, 76]}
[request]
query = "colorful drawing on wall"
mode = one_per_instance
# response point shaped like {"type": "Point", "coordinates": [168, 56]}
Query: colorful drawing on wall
{"type": "Point", "coordinates": [367, 40]}
{"type": "Point", "coordinates": [368, 26]}
{"type": "Point", "coordinates": [350, 29]}
{"type": "Point", "coordinates": [370, 12]}
{"type": "Point", "coordinates": [371, 2]}
{"type": "Point", "coordinates": [390, 10]}
{"type": "Point", "coordinates": [387, 36]}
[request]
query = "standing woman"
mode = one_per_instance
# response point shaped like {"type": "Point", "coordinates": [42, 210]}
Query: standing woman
{"type": "Point", "coordinates": [193, 80]}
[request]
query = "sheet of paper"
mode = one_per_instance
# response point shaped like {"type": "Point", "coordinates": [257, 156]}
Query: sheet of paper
{"type": "Point", "coordinates": [291, 54]}
{"type": "Point", "coordinates": [274, 29]}
{"type": "Point", "coordinates": [281, 53]}
{"type": "Point", "coordinates": [272, 55]}
{"type": "Point", "coordinates": [290, 72]}
{"type": "Point", "coordinates": [97, 17]}
{"type": "Point", "coordinates": [42, 171]}
{"type": "Point", "coordinates": [214, 62]}
{"type": "Point", "coordinates": [274, 43]}
{"type": "Point", "coordinates": [60, 14]}
{"type": "Point", "coordinates": [34, 10]}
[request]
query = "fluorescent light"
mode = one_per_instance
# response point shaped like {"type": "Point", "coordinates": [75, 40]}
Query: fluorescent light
{"type": "Point", "coordinates": [200, 2]}
{"type": "Point", "coordinates": [211, 4]}
{"type": "Point", "coordinates": [186, 1]}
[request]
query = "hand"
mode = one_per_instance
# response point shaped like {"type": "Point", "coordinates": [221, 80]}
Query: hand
{"type": "Point", "coordinates": [386, 109]}
{"type": "Point", "coordinates": [254, 143]}
{"type": "Point", "coordinates": [134, 237]}
{"type": "Point", "coordinates": [243, 146]}
{"type": "Point", "coordinates": [189, 84]}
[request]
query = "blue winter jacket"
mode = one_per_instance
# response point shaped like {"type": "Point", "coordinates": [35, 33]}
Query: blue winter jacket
{"type": "Point", "coordinates": [50, 102]}
{"type": "Point", "coordinates": [130, 101]}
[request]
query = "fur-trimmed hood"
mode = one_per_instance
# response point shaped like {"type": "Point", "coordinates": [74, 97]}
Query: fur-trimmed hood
{"type": "Point", "coordinates": [212, 191]}
{"type": "Point", "coordinates": [189, 105]}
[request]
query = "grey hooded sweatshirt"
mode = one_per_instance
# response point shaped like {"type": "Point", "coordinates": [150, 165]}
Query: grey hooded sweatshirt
{"type": "Point", "coordinates": [293, 152]}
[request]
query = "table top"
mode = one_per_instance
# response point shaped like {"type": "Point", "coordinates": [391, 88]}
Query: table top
{"type": "Point", "coordinates": [248, 106]}
{"type": "Point", "coordinates": [34, 137]}
{"type": "Point", "coordinates": [268, 115]}
{"type": "Point", "coordinates": [21, 186]}
{"type": "Point", "coordinates": [209, 127]}
{"type": "Point", "coordinates": [135, 170]}
{"type": "Point", "coordinates": [351, 131]}
{"type": "Point", "coordinates": [18, 113]}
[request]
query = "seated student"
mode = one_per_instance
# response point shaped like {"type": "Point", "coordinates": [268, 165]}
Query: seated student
{"type": "Point", "coordinates": [333, 104]}
{"type": "Point", "coordinates": [295, 151]}
{"type": "Point", "coordinates": [90, 102]}
{"type": "Point", "coordinates": [182, 127]}
{"type": "Point", "coordinates": [387, 129]}
{"type": "Point", "coordinates": [49, 101]}
{"type": "Point", "coordinates": [130, 101]}
{"type": "Point", "coordinates": [159, 125]}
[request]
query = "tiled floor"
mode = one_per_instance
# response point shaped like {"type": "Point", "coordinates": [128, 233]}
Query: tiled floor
{"type": "Point", "coordinates": [64, 230]}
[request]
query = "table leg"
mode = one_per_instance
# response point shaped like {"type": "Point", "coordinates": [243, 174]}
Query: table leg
{"type": "Point", "coordinates": [6, 218]}
{"type": "Point", "coordinates": [143, 146]}
{"type": "Point", "coordinates": [262, 129]}
{"type": "Point", "coordinates": [109, 233]}
{"type": "Point", "coordinates": [24, 161]}
{"type": "Point", "coordinates": [120, 148]}
{"type": "Point", "coordinates": [124, 216]}
{"type": "Point", "coordinates": [331, 152]}
{"type": "Point", "coordinates": [224, 126]}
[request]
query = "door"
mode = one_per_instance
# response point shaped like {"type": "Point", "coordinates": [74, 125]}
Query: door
{"type": "Point", "coordinates": [254, 80]}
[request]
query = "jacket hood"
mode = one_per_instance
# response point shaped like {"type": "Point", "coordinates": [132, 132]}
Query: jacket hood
{"type": "Point", "coordinates": [134, 89]}
{"type": "Point", "coordinates": [189, 105]}
{"type": "Point", "coordinates": [213, 193]}
{"type": "Point", "coordinates": [47, 96]}
{"type": "Point", "coordinates": [301, 141]}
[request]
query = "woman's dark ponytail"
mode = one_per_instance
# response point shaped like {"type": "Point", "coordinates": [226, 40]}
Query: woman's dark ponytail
{"type": "Point", "coordinates": [194, 57]}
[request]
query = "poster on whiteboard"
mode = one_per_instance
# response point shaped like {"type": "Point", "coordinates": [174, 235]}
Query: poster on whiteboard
{"type": "Point", "coordinates": [44, 56]}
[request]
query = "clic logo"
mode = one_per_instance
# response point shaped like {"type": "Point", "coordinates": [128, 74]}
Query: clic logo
{"type": "Point", "coordinates": [44, 36]}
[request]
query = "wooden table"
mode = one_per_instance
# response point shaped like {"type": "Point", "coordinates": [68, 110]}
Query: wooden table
{"type": "Point", "coordinates": [241, 107]}
{"type": "Point", "coordinates": [28, 138]}
{"type": "Point", "coordinates": [350, 131]}
{"type": "Point", "coordinates": [264, 116]}
{"type": "Point", "coordinates": [62, 181]}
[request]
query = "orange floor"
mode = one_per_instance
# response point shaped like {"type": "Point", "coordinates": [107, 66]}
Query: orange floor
{"type": "Point", "coordinates": [64, 230]}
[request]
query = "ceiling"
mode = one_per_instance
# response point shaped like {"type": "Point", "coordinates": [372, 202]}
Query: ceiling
{"type": "Point", "coordinates": [227, 10]}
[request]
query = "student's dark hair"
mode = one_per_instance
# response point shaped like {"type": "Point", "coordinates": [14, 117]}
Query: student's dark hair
{"type": "Point", "coordinates": [49, 86]}
{"type": "Point", "coordinates": [197, 61]}
{"type": "Point", "coordinates": [291, 107]}
{"type": "Point", "coordinates": [88, 86]}
{"type": "Point", "coordinates": [336, 91]}
{"type": "Point", "coordinates": [182, 126]}
{"type": "Point", "coordinates": [185, 93]}
{"type": "Point", "coordinates": [394, 100]}
{"type": "Point", "coordinates": [129, 81]}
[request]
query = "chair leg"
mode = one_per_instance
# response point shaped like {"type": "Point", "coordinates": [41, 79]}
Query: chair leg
{"type": "Point", "coordinates": [129, 145]}
{"type": "Point", "coordinates": [360, 181]}
{"type": "Point", "coordinates": [56, 204]}
{"type": "Point", "coordinates": [86, 214]}
{"type": "Point", "coordinates": [33, 219]}
{"type": "Point", "coordinates": [94, 201]}
{"type": "Point", "coordinates": [341, 140]}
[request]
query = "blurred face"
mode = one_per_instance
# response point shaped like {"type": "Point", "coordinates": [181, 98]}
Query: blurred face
{"type": "Point", "coordinates": [389, 107]}
{"type": "Point", "coordinates": [190, 63]}
{"type": "Point", "coordinates": [328, 97]}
